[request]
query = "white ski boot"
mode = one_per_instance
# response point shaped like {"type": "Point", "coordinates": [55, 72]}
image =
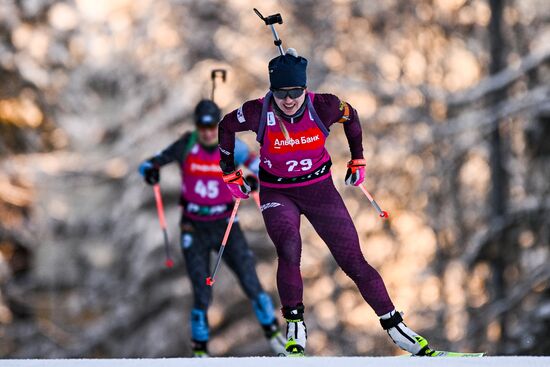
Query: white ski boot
{"type": "Point", "coordinates": [404, 337]}
{"type": "Point", "coordinates": [275, 339]}
{"type": "Point", "coordinates": [265, 313]}
{"type": "Point", "coordinates": [296, 331]}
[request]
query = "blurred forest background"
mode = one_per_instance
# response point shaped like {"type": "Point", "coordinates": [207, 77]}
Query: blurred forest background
{"type": "Point", "coordinates": [454, 98]}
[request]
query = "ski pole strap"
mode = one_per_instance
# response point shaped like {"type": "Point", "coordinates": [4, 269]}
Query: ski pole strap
{"type": "Point", "coordinates": [393, 321]}
{"type": "Point", "coordinates": [235, 177]}
{"type": "Point", "coordinates": [357, 163]}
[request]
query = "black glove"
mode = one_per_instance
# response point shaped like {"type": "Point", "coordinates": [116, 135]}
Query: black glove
{"type": "Point", "coordinates": [150, 172]}
{"type": "Point", "coordinates": [252, 182]}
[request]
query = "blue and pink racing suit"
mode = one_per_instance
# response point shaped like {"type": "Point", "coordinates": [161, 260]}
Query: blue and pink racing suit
{"type": "Point", "coordinates": [206, 206]}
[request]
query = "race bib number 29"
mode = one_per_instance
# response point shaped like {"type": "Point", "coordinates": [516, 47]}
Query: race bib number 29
{"type": "Point", "coordinates": [303, 165]}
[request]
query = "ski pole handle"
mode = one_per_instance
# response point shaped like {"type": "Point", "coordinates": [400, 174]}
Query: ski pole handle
{"type": "Point", "coordinates": [381, 213]}
{"type": "Point", "coordinates": [160, 211]}
{"type": "Point", "coordinates": [210, 280]}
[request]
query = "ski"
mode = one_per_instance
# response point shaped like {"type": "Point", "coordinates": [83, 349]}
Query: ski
{"type": "Point", "coordinates": [439, 353]}
{"type": "Point", "coordinates": [442, 353]}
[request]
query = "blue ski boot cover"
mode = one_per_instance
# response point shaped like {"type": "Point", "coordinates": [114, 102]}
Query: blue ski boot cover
{"type": "Point", "coordinates": [199, 333]}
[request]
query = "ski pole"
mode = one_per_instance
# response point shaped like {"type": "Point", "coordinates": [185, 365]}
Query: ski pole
{"type": "Point", "coordinates": [210, 280]}
{"type": "Point", "coordinates": [270, 20]}
{"type": "Point", "coordinates": [254, 188]}
{"type": "Point", "coordinates": [256, 196]}
{"type": "Point", "coordinates": [213, 75]}
{"type": "Point", "coordinates": [381, 213]}
{"type": "Point", "coordinates": [160, 210]}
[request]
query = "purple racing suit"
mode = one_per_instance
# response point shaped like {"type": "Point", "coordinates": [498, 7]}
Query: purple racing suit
{"type": "Point", "coordinates": [295, 179]}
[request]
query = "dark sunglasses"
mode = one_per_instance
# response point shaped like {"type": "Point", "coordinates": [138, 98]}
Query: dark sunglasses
{"type": "Point", "coordinates": [292, 93]}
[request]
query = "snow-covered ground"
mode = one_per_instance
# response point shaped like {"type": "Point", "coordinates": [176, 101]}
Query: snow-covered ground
{"type": "Point", "coordinates": [286, 362]}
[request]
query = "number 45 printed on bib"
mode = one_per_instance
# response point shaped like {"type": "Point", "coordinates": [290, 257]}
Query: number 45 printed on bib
{"type": "Point", "coordinates": [210, 189]}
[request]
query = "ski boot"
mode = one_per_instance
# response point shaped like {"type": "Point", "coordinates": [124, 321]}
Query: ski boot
{"type": "Point", "coordinates": [200, 349]}
{"type": "Point", "coordinates": [404, 337]}
{"type": "Point", "coordinates": [199, 333]}
{"type": "Point", "coordinates": [276, 341]}
{"type": "Point", "coordinates": [296, 331]}
{"type": "Point", "coordinates": [265, 313]}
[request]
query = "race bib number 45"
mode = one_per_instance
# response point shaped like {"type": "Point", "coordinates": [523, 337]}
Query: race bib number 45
{"type": "Point", "coordinates": [210, 189]}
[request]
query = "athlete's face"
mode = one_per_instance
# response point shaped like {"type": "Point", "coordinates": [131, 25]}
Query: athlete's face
{"type": "Point", "coordinates": [290, 105]}
{"type": "Point", "coordinates": [208, 136]}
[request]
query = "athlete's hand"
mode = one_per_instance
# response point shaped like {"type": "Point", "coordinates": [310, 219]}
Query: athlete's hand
{"type": "Point", "coordinates": [237, 184]}
{"type": "Point", "coordinates": [150, 172]}
{"type": "Point", "coordinates": [356, 172]}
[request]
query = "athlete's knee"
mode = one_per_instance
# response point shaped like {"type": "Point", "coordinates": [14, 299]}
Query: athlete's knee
{"type": "Point", "coordinates": [285, 236]}
{"type": "Point", "coordinates": [288, 258]}
{"type": "Point", "coordinates": [248, 258]}
{"type": "Point", "coordinates": [288, 248]}
{"type": "Point", "coordinates": [358, 269]}
{"type": "Point", "coordinates": [288, 269]}
{"type": "Point", "coordinates": [202, 294]}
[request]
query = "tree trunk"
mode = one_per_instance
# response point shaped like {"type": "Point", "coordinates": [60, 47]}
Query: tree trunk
{"type": "Point", "coordinates": [498, 174]}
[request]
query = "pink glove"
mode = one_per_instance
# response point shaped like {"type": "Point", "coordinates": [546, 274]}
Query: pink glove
{"type": "Point", "coordinates": [356, 172]}
{"type": "Point", "coordinates": [237, 184]}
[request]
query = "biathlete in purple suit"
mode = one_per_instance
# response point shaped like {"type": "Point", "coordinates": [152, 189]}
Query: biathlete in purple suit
{"type": "Point", "coordinates": [292, 124]}
{"type": "Point", "coordinates": [206, 206]}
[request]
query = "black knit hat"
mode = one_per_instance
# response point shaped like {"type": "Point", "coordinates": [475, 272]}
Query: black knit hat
{"type": "Point", "coordinates": [288, 70]}
{"type": "Point", "coordinates": [207, 113]}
